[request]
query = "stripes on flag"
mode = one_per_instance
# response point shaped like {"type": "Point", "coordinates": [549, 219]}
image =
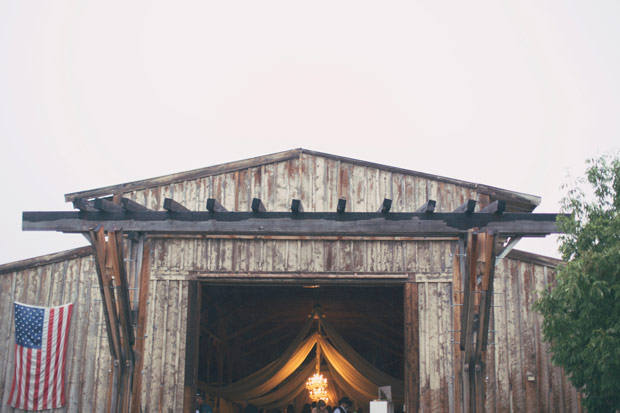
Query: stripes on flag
{"type": "Point", "coordinates": [40, 348]}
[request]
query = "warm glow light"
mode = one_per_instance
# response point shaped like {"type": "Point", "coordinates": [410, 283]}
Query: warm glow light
{"type": "Point", "coordinates": [320, 393]}
{"type": "Point", "coordinates": [317, 387]}
{"type": "Point", "coordinates": [316, 381]}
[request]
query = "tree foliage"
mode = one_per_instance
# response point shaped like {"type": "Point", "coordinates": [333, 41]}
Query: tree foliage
{"type": "Point", "coordinates": [582, 312]}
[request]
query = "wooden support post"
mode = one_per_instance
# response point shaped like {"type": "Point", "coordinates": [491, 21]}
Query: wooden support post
{"type": "Point", "coordinates": [467, 321]}
{"type": "Point", "coordinates": [115, 255]}
{"type": "Point", "coordinates": [477, 270]}
{"type": "Point", "coordinates": [488, 274]}
{"type": "Point", "coordinates": [428, 207]}
{"type": "Point", "coordinates": [115, 248]}
{"type": "Point", "coordinates": [412, 348]}
{"type": "Point", "coordinates": [192, 344]}
{"type": "Point", "coordinates": [114, 286]}
{"type": "Point", "coordinates": [109, 309]}
{"type": "Point", "coordinates": [140, 331]}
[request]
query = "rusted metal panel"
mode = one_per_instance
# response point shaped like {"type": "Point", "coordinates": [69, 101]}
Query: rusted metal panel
{"type": "Point", "coordinates": [50, 284]}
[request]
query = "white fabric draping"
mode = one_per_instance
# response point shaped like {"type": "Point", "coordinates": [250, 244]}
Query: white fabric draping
{"type": "Point", "coordinates": [353, 375]}
{"type": "Point", "coordinates": [376, 376]}
{"type": "Point", "coordinates": [266, 379]}
{"type": "Point", "coordinates": [289, 389]}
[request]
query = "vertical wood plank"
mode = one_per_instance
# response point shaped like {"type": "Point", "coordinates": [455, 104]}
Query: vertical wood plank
{"type": "Point", "coordinates": [181, 340]}
{"type": "Point", "coordinates": [412, 348]}
{"type": "Point", "coordinates": [140, 340]}
{"type": "Point", "coordinates": [457, 300]}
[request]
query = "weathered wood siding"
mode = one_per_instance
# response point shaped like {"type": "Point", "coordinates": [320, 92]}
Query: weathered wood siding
{"type": "Point", "coordinates": [519, 350]}
{"type": "Point", "coordinates": [182, 258]}
{"type": "Point", "coordinates": [164, 369]}
{"type": "Point", "coordinates": [88, 355]}
{"type": "Point", "coordinates": [319, 182]}
{"type": "Point", "coordinates": [435, 316]}
{"type": "Point", "coordinates": [176, 260]}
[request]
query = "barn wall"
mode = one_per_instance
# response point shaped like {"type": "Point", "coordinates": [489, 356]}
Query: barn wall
{"type": "Point", "coordinates": [319, 182]}
{"type": "Point", "coordinates": [183, 257]}
{"type": "Point", "coordinates": [175, 261]}
{"type": "Point", "coordinates": [88, 360]}
{"type": "Point", "coordinates": [164, 368]}
{"type": "Point", "coordinates": [519, 350]}
{"type": "Point", "coordinates": [436, 372]}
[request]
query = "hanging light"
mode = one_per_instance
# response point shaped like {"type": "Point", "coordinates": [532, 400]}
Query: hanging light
{"type": "Point", "coordinates": [320, 393]}
{"type": "Point", "coordinates": [317, 384]}
{"type": "Point", "coordinates": [316, 381]}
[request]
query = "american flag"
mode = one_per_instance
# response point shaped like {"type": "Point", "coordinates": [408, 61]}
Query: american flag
{"type": "Point", "coordinates": [40, 347]}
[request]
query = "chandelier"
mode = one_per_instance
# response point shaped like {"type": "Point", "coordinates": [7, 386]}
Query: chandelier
{"type": "Point", "coordinates": [320, 393]}
{"type": "Point", "coordinates": [317, 381]}
{"type": "Point", "coordinates": [317, 384]}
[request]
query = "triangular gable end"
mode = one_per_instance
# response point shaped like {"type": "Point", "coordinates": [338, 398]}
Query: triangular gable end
{"type": "Point", "coordinates": [318, 179]}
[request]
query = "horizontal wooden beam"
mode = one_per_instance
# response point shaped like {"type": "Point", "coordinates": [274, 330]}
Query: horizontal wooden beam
{"type": "Point", "coordinates": [285, 223]}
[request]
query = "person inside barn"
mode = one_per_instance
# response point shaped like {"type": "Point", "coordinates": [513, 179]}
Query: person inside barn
{"type": "Point", "coordinates": [248, 407]}
{"type": "Point", "coordinates": [201, 404]}
{"type": "Point", "coordinates": [344, 405]}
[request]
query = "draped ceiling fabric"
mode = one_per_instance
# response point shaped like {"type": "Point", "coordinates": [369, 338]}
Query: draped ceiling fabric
{"type": "Point", "coordinates": [282, 381]}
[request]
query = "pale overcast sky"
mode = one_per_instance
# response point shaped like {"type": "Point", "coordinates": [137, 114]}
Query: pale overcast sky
{"type": "Point", "coordinates": [510, 94]}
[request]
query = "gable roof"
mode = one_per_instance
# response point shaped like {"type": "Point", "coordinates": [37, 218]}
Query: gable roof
{"type": "Point", "coordinates": [524, 201]}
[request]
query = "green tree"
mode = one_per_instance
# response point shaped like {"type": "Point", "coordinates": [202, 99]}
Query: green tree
{"type": "Point", "coordinates": [582, 312]}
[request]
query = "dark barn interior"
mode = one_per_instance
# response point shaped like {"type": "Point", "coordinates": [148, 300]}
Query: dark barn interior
{"type": "Point", "coordinates": [244, 328]}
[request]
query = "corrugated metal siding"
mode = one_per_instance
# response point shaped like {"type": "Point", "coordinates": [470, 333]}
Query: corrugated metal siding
{"type": "Point", "coordinates": [88, 359]}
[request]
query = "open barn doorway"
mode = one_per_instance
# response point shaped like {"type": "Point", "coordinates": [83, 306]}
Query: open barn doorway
{"type": "Point", "coordinates": [245, 328]}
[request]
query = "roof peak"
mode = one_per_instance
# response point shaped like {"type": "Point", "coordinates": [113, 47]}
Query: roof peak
{"type": "Point", "coordinates": [529, 201]}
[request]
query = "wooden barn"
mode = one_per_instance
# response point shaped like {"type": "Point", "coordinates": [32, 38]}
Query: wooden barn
{"type": "Point", "coordinates": [240, 280]}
